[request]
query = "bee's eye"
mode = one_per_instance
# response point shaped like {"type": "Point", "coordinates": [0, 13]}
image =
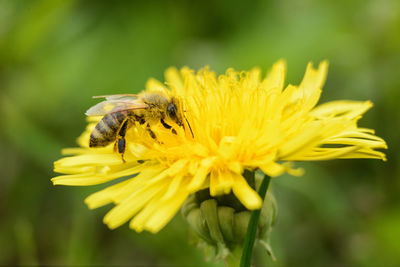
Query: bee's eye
{"type": "Point", "coordinates": [171, 111]}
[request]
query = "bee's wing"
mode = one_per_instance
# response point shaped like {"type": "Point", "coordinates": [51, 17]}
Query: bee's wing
{"type": "Point", "coordinates": [112, 105]}
{"type": "Point", "coordinates": [118, 97]}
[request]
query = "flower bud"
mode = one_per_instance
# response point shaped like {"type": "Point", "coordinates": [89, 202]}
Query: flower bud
{"type": "Point", "coordinates": [221, 222]}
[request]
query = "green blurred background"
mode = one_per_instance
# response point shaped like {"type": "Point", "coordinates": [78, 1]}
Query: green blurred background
{"type": "Point", "coordinates": [55, 55]}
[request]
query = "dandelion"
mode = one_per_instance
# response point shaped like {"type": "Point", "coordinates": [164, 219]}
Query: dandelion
{"type": "Point", "coordinates": [234, 122]}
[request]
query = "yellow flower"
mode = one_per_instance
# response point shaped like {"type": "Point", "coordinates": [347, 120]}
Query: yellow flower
{"type": "Point", "coordinates": [239, 121]}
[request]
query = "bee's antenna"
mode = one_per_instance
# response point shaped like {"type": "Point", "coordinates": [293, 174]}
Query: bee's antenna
{"type": "Point", "coordinates": [190, 128]}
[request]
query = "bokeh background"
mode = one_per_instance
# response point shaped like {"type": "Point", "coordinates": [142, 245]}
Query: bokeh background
{"type": "Point", "coordinates": [55, 55]}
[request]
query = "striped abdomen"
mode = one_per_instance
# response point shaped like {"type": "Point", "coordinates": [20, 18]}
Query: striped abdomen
{"type": "Point", "coordinates": [107, 129]}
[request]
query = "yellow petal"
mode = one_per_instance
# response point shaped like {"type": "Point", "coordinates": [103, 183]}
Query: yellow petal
{"type": "Point", "coordinates": [276, 77]}
{"type": "Point", "coordinates": [106, 195]}
{"type": "Point", "coordinates": [130, 206]}
{"type": "Point", "coordinates": [154, 85]}
{"type": "Point", "coordinates": [165, 212]}
{"type": "Point", "coordinates": [220, 183]}
{"type": "Point", "coordinates": [174, 80]}
{"type": "Point", "coordinates": [201, 174]}
{"type": "Point", "coordinates": [350, 109]}
{"type": "Point", "coordinates": [173, 187]}
{"type": "Point", "coordinates": [250, 199]}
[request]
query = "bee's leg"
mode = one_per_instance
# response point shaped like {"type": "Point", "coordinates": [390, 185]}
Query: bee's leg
{"type": "Point", "coordinates": [120, 143]}
{"type": "Point", "coordinates": [152, 134]}
{"type": "Point", "coordinates": [121, 148]}
{"type": "Point", "coordinates": [167, 126]}
{"type": "Point", "coordinates": [142, 121]}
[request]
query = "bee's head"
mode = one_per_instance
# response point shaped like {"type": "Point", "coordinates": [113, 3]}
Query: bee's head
{"type": "Point", "coordinates": [172, 111]}
{"type": "Point", "coordinates": [176, 113]}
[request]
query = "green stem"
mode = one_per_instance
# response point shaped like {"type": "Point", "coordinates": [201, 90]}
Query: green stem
{"type": "Point", "coordinates": [247, 253]}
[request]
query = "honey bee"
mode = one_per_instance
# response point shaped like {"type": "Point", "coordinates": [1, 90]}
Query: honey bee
{"type": "Point", "coordinates": [122, 111]}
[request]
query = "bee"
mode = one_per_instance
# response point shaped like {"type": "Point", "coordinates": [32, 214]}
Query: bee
{"type": "Point", "coordinates": [120, 112]}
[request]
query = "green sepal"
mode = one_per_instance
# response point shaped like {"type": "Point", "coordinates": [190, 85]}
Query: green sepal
{"type": "Point", "coordinates": [226, 216]}
{"type": "Point", "coordinates": [209, 211]}
{"type": "Point", "coordinates": [240, 225]}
